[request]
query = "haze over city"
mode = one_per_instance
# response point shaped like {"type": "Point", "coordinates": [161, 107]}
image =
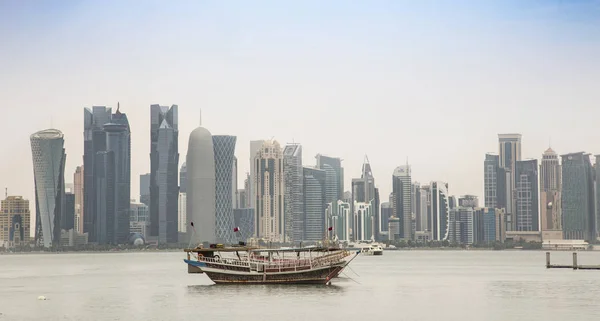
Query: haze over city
{"type": "Point", "coordinates": [394, 80]}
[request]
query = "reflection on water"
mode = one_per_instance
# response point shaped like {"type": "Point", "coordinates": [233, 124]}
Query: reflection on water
{"type": "Point", "coordinates": [263, 289]}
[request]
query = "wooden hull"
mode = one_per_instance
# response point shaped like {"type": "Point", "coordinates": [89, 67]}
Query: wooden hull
{"type": "Point", "coordinates": [322, 275]}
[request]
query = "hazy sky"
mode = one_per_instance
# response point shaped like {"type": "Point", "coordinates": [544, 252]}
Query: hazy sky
{"type": "Point", "coordinates": [431, 81]}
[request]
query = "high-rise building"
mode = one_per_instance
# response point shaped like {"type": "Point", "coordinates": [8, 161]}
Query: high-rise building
{"type": "Point", "coordinates": [255, 146]}
{"type": "Point", "coordinates": [224, 149]}
{"type": "Point", "coordinates": [460, 225]}
{"type": "Point", "coordinates": [200, 190]}
{"type": "Point", "coordinates": [468, 201]}
{"type": "Point", "coordinates": [440, 210]}
{"type": "Point", "coordinates": [118, 142]}
{"type": "Point", "coordinates": [577, 196]}
{"type": "Point", "coordinates": [78, 180]}
{"type": "Point", "coordinates": [415, 201]}
{"type": "Point", "coordinates": [67, 222]}
{"type": "Point", "coordinates": [509, 146]}
{"type": "Point", "coordinates": [597, 189]}
{"type": "Point", "coordinates": [47, 148]}
{"type": "Point", "coordinates": [248, 182]}
{"type": "Point", "coordinates": [314, 204]}
{"type": "Point", "coordinates": [341, 222]}
{"type": "Point", "coordinates": [182, 203]}
{"type": "Point", "coordinates": [364, 191]}
{"type": "Point", "coordinates": [269, 189]}
{"type": "Point", "coordinates": [526, 214]}
{"type": "Point", "coordinates": [401, 184]}
{"type": "Point", "coordinates": [182, 178]}
{"type": "Point", "coordinates": [497, 186]}
{"type": "Point", "coordinates": [550, 199]}
{"type": "Point", "coordinates": [105, 198]}
{"type": "Point", "coordinates": [294, 193]}
{"type": "Point", "coordinates": [393, 228]}
{"type": "Point", "coordinates": [363, 222]}
{"type": "Point", "coordinates": [94, 143]}
{"type": "Point", "coordinates": [139, 219]}
{"type": "Point", "coordinates": [164, 172]}
{"type": "Point", "coordinates": [387, 211]}
{"type": "Point", "coordinates": [234, 183]}
{"type": "Point", "coordinates": [15, 221]}
{"type": "Point", "coordinates": [425, 208]}
{"type": "Point", "coordinates": [145, 189]}
{"type": "Point", "coordinates": [241, 199]}
{"type": "Point", "coordinates": [335, 185]}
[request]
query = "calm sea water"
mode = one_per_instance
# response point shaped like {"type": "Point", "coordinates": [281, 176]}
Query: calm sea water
{"type": "Point", "coordinates": [400, 285]}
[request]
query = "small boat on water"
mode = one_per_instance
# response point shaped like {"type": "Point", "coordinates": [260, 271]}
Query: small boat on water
{"type": "Point", "coordinates": [250, 265]}
{"type": "Point", "coordinates": [373, 249]}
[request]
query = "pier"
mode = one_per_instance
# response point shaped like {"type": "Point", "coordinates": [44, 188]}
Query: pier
{"type": "Point", "coordinates": [573, 266]}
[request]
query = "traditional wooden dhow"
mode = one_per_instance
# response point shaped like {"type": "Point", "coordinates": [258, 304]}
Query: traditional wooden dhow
{"type": "Point", "coordinates": [249, 265]}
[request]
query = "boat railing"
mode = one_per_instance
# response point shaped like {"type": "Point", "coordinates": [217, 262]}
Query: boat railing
{"type": "Point", "coordinates": [224, 261]}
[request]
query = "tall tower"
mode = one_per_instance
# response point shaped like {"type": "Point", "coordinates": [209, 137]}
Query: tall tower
{"type": "Point", "coordinates": [363, 191]}
{"type": "Point", "coordinates": [294, 193]}
{"type": "Point", "coordinates": [509, 146]}
{"type": "Point", "coordinates": [440, 211]}
{"type": "Point", "coordinates": [527, 215]}
{"type": "Point", "coordinates": [78, 179]}
{"type": "Point", "coordinates": [200, 189]}
{"type": "Point", "coordinates": [182, 204]}
{"type": "Point", "coordinates": [47, 148]}
{"type": "Point", "coordinates": [94, 142]}
{"type": "Point", "coordinates": [550, 197]}
{"type": "Point", "coordinates": [118, 141]}
{"type": "Point", "coordinates": [269, 192]}
{"type": "Point", "coordinates": [401, 184]}
{"type": "Point", "coordinates": [255, 146]}
{"type": "Point", "coordinates": [314, 204]}
{"type": "Point", "coordinates": [224, 149]}
{"type": "Point", "coordinates": [164, 167]}
{"type": "Point", "coordinates": [577, 195]}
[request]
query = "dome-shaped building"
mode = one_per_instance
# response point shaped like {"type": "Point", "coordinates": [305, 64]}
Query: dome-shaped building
{"type": "Point", "coordinates": [200, 176]}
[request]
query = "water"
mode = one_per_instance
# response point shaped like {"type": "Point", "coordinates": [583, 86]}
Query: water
{"type": "Point", "coordinates": [400, 285]}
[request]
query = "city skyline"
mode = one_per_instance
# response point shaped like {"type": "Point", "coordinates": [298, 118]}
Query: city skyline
{"type": "Point", "coordinates": [277, 68]}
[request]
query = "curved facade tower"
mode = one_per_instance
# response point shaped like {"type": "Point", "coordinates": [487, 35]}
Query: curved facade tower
{"type": "Point", "coordinates": [224, 149]}
{"type": "Point", "coordinates": [200, 190]}
{"type": "Point", "coordinates": [440, 211]}
{"type": "Point", "coordinates": [47, 149]}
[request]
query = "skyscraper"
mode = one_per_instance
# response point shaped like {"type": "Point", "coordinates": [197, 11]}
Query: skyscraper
{"type": "Point", "coordinates": [314, 204]}
{"type": "Point", "coordinates": [200, 190]}
{"type": "Point", "coordinates": [118, 141]}
{"type": "Point", "coordinates": [78, 179]}
{"type": "Point", "coordinates": [578, 214]}
{"type": "Point", "coordinates": [224, 149]}
{"type": "Point", "coordinates": [440, 210]}
{"type": "Point", "coordinates": [341, 222]}
{"type": "Point", "coordinates": [182, 203]}
{"type": "Point", "coordinates": [164, 168]}
{"type": "Point", "coordinates": [337, 185]}
{"type": "Point", "coordinates": [68, 220]}
{"type": "Point", "coordinates": [509, 146]}
{"type": "Point", "coordinates": [145, 189]}
{"type": "Point", "coordinates": [527, 215]}
{"type": "Point", "coordinates": [269, 189]}
{"type": "Point", "coordinates": [468, 201]}
{"type": "Point", "coordinates": [363, 222]}
{"type": "Point", "coordinates": [294, 192]}
{"type": "Point", "coordinates": [234, 183]}
{"type": "Point", "coordinates": [94, 142]}
{"type": "Point", "coordinates": [401, 185]}
{"type": "Point", "coordinates": [255, 146]}
{"type": "Point", "coordinates": [364, 191]}
{"type": "Point", "coordinates": [16, 217]}
{"type": "Point", "coordinates": [386, 212]}
{"type": "Point", "coordinates": [415, 202]}
{"type": "Point", "coordinates": [47, 148]}
{"type": "Point", "coordinates": [425, 200]}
